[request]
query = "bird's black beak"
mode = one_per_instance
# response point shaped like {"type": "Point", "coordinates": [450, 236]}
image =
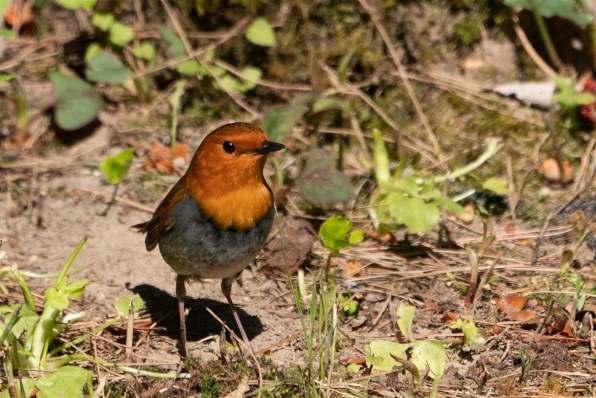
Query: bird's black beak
{"type": "Point", "coordinates": [268, 147]}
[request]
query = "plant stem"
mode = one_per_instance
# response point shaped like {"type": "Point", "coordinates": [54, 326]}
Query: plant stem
{"type": "Point", "coordinates": [550, 48]}
{"type": "Point", "coordinates": [113, 199]}
{"type": "Point", "coordinates": [493, 146]}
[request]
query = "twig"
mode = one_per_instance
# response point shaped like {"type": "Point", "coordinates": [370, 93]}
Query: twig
{"type": "Point", "coordinates": [349, 88]}
{"type": "Point", "coordinates": [242, 342]}
{"type": "Point", "coordinates": [262, 82]}
{"type": "Point", "coordinates": [523, 40]}
{"type": "Point", "coordinates": [374, 15]}
{"type": "Point", "coordinates": [552, 214]}
{"type": "Point", "coordinates": [585, 161]}
{"type": "Point", "coordinates": [189, 50]}
{"type": "Point", "coordinates": [119, 199]}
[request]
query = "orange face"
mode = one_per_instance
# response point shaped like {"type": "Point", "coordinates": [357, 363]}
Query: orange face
{"type": "Point", "coordinates": [226, 175]}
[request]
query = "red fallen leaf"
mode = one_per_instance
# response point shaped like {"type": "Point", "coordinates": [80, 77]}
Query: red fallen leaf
{"type": "Point", "coordinates": [350, 361]}
{"type": "Point", "coordinates": [352, 268]}
{"type": "Point", "coordinates": [21, 17]}
{"type": "Point", "coordinates": [511, 302]}
{"type": "Point", "coordinates": [449, 317]}
{"type": "Point", "coordinates": [560, 325]}
{"type": "Point", "coordinates": [520, 316]}
{"type": "Point", "coordinates": [496, 329]}
{"type": "Point", "coordinates": [510, 227]}
{"type": "Point", "coordinates": [430, 305]}
{"type": "Point", "coordinates": [158, 157]}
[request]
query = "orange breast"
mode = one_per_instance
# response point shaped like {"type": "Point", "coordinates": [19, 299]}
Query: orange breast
{"type": "Point", "coordinates": [241, 208]}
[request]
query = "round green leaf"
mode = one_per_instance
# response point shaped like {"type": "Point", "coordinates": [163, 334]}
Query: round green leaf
{"type": "Point", "coordinates": [75, 4]}
{"type": "Point", "coordinates": [416, 214]}
{"type": "Point", "coordinates": [102, 20]}
{"type": "Point", "coordinates": [120, 34]}
{"type": "Point", "coordinates": [144, 51]}
{"type": "Point", "coordinates": [106, 67]}
{"type": "Point", "coordinates": [76, 102]}
{"type": "Point", "coordinates": [380, 353]}
{"type": "Point", "coordinates": [429, 354]}
{"type": "Point", "coordinates": [279, 120]}
{"type": "Point", "coordinates": [497, 185]}
{"type": "Point", "coordinates": [115, 167]}
{"type": "Point", "coordinates": [259, 32]}
{"type": "Point", "coordinates": [320, 183]}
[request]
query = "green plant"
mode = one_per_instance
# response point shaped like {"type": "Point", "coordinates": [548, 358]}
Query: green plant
{"type": "Point", "coordinates": [526, 365]}
{"type": "Point", "coordinates": [115, 168]}
{"type": "Point", "coordinates": [26, 338]}
{"type": "Point", "coordinates": [422, 358]}
{"type": "Point", "coordinates": [321, 324]}
{"type": "Point", "coordinates": [414, 200]}
{"type": "Point", "coordinates": [569, 9]}
{"type": "Point", "coordinates": [76, 102]}
{"type": "Point", "coordinates": [29, 340]}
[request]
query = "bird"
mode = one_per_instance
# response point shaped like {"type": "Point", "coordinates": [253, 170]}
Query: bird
{"type": "Point", "coordinates": [216, 218]}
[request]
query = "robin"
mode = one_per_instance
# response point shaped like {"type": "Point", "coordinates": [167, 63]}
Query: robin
{"type": "Point", "coordinates": [215, 220]}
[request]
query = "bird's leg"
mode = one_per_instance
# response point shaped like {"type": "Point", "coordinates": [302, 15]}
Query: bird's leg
{"type": "Point", "coordinates": [181, 295]}
{"type": "Point", "coordinates": [226, 288]}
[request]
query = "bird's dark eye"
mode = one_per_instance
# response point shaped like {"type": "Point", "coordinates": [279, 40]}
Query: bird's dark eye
{"type": "Point", "coordinates": [228, 147]}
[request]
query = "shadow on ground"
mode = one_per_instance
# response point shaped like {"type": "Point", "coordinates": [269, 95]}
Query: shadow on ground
{"type": "Point", "coordinates": [163, 309]}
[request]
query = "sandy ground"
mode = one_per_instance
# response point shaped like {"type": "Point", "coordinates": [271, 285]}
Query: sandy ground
{"type": "Point", "coordinates": [115, 261]}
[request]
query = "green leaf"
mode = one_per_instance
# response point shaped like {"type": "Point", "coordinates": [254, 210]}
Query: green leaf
{"type": "Point", "coordinates": [259, 32]}
{"type": "Point", "coordinates": [449, 205]}
{"type": "Point", "coordinates": [344, 62]}
{"type": "Point", "coordinates": [76, 102]}
{"type": "Point", "coordinates": [473, 337]}
{"type": "Point", "coordinates": [229, 84]}
{"type": "Point", "coordinates": [251, 75]}
{"type": "Point", "coordinates": [102, 20]}
{"type": "Point", "coordinates": [279, 120]}
{"type": "Point", "coordinates": [120, 34]}
{"type": "Point", "coordinates": [379, 354]}
{"type": "Point", "coordinates": [55, 298]}
{"type": "Point", "coordinates": [92, 50]}
{"type": "Point", "coordinates": [416, 214]}
{"type": "Point", "coordinates": [28, 386]}
{"type": "Point", "coordinates": [145, 51]}
{"type": "Point", "coordinates": [405, 316]}
{"type": "Point", "coordinates": [320, 183]}
{"type": "Point", "coordinates": [176, 46]}
{"type": "Point", "coordinates": [356, 237]}
{"type": "Point", "coordinates": [381, 159]}
{"type": "Point", "coordinates": [496, 185]}
{"type": "Point", "coordinates": [75, 4]}
{"type": "Point", "coordinates": [328, 103]}
{"type": "Point", "coordinates": [67, 381]}
{"type": "Point", "coordinates": [26, 321]}
{"type": "Point", "coordinates": [332, 233]}
{"type": "Point", "coordinates": [75, 289]}
{"type": "Point", "coordinates": [115, 167]}
{"type": "Point", "coordinates": [191, 67]}
{"type": "Point", "coordinates": [569, 9]}
{"type": "Point", "coordinates": [106, 67]}
{"type": "Point", "coordinates": [407, 185]}
{"type": "Point", "coordinates": [429, 354]}
{"type": "Point", "coordinates": [123, 304]}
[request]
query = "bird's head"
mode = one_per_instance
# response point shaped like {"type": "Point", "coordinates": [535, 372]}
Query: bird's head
{"type": "Point", "coordinates": [225, 176]}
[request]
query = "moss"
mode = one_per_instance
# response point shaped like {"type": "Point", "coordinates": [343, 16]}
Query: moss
{"type": "Point", "coordinates": [468, 32]}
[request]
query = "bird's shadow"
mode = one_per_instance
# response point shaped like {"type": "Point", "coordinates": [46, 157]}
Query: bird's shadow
{"type": "Point", "coordinates": [163, 309]}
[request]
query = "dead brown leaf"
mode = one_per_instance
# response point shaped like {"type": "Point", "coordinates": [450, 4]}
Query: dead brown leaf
{"type": "Point", "coordinates": [159, 158]}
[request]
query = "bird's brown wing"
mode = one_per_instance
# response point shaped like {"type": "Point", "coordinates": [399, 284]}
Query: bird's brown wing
{"type": "Point", "coordinates": [161, 222]}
